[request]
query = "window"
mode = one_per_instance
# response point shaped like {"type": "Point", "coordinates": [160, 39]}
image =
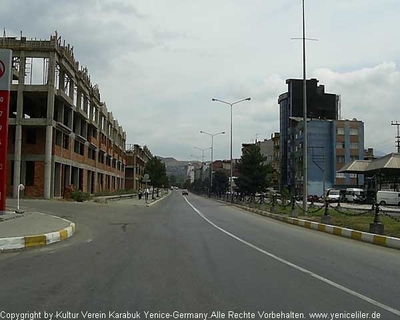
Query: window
{"type": "Point", "coordinates": [340, 159]}
{"type": "Point", "coordinates": [353, 175]}
{"type": "Point", "coordinates": [65, 141]}
{"type": "Point", "coordinates": [92, 154]}
{"type": "Point", "coordinates": [79, 148]}
{"type": "Point", "coordinates": [353, 145]}
{"type": "Point", "coordinates": [352, 158]}
{"type": "Point", "coordinates": [58, 138]}
{"type": "Point", "coordinates": [340, 145]}
{"type": "Point", "coordinates": [353, 131]}
{"type": "Point", "coordinates": [31, 136]}
{"type": "Point", "coordinates": [29, 173]}
{"type": "Point", "coordinates": [339, 175]}
{"type": "Point", "coordinates": [339, 130]}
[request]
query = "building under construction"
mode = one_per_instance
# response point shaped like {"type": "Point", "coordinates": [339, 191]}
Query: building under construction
{"type": "Point", "coordinates": [60, 133]}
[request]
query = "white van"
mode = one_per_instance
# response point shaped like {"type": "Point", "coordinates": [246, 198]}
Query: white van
{"type": "Point", "coordinates": [333, 195]}
{"type": "Point", "coordinates": [388, 197]}
{"type": "Point", "coordinates": [355, 195]}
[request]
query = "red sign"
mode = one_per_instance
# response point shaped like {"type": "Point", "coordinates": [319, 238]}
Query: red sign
{"type": "Point", "coordinates": [2, 68]}
{"type": "Point", "coordinates": [5, 83]}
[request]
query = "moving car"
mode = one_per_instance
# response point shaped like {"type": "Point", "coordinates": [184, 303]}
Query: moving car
{"type": "Point", "coordinates": [185, 192]}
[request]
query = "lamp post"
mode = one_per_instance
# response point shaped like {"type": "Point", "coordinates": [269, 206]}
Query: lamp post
{"type": "Point", "coordinates": [231, 104]}
{"type": "Point", "coordinates": [305, 131]}
{"type": "Point", "coordinates": [212, 150]}
{"type": "Point", "coordinates": [202, 159]}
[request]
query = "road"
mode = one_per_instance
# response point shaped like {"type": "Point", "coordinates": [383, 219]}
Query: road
{"type": "Point", "coordinates": [193, 255]}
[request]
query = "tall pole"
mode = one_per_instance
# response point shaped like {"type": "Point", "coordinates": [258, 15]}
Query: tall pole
{"type": "Point", "coordinates": [202, 159]}
{"type": "Point", "coordinates": [212, 160]}
{"type": "Point", "coordinates": [231, 104]}
{"type": "Point", "coordinates": [231, 181]}
{"type": "Point", "coordinates": [212, 150]}
{"type": "Point", "coordinates": [305, 131]}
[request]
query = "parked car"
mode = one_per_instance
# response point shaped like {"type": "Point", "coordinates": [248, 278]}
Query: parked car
{"type": "Point", "coordinates": [313, 198]}
{"type": "Point", "coordinates": [333, 195]}
{"type": "Point", "coordinates": [388, 198]}
{"type": "Point", "coordinates": [185, 192]}
{"type": "Point", "coordinates": [355, 195]}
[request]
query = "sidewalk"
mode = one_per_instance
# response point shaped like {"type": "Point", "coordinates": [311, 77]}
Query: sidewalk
{"type": "Point", "coordinates": [31, 229]}
{"type": "Point", "coordinates": [27, 229]}
{"type": "Point", "coordinates": [132, 199]}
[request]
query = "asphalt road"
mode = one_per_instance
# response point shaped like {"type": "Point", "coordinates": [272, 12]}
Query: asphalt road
{"type": "Point", "coordinates": [193, 255]}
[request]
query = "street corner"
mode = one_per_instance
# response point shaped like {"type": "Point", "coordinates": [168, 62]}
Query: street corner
{"type": "Point", "coordinates": [34, 230]}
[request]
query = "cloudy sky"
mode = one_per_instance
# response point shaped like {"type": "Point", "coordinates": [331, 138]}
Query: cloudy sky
{"type": "Point", "coordinates": [158, 63]}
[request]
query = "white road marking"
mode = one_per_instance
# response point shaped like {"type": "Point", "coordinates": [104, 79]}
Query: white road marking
{"type": "Point", "coordinates": [290, 264]}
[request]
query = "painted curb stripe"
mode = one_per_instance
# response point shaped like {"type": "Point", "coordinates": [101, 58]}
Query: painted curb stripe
{"type": "Point", "coordinates": [337, 231]}
{"type": "Point", "coordinates": [63, 234]}
{"type": "Point", "coordinates": [385, 241]}
{"type": "Point", "coordinates": [15, 243]}
{"type": "Point", "coordinates": [380, 240]}
{"type": "Point", "coordinates": [357, 235]}
{"type": "Point", "coordinates": [35, 241]}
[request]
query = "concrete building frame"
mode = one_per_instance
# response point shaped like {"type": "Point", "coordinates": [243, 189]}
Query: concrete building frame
{"type": "Point", "coordinates": [61, 133]}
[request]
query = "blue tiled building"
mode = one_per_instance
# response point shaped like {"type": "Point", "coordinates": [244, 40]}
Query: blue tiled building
{"type": "Point", "coordinates": [331, 144]}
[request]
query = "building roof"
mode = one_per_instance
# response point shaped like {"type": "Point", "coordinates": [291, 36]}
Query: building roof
{"type": "Point", "coordinates": [390, 162]}
{"type": "Point", "coordinates": [356, 166]}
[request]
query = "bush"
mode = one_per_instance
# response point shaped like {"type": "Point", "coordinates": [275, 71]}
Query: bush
{"type": "Point", "coordinates": [79, 195]}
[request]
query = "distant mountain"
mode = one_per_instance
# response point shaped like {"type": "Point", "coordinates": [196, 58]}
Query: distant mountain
{"type": "Point", "coordinates": [172, 162]}
{"type": "Point", "coordinates": [176, 168]}
{"type": "Point", "coordinates": [378, 153]}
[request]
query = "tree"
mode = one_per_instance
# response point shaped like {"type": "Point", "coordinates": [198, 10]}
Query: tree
{"type": "Point", "coordinates": [157, 172]}
{"type": "Point", "coordinates": [254, 174]}
{"type": "Point", "coordinates": [220, 183]}
{"type": "Point", "coordinates": [173, 180]}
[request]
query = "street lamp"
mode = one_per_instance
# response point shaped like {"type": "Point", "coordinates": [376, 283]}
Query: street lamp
{"type": "Point", "coordinates": [231, 104]}
{"type": "Point", "coordinates": [202, 159]}
{"type": "Point", "coordinates": [212, 151]}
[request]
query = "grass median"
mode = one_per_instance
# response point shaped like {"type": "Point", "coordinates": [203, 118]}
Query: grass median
{"type": "Point", "coordinates": [344, 217]}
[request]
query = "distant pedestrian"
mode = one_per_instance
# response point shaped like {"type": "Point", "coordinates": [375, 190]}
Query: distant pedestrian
{"type": "Point", "coordinates": [146, 194]}
{"type": "Point", "coordinates": [140, 193]}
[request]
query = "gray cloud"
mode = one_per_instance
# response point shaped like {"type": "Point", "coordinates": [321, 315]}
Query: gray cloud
{"type": "Point", "coordinates": [159, 63]}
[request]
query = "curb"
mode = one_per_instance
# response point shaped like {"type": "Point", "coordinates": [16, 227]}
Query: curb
{"type": "Point", "coordinates": [162, 198]}
{"type": "Point", "coordinates": [24, 242]}
{"type": "Point", "coordinates": [376, 239]}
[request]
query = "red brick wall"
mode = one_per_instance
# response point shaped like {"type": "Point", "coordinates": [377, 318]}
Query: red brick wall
{"type": "Point", "coordinates": [39, 147]}
{"type": "Point", "coordinates": [37, 190]}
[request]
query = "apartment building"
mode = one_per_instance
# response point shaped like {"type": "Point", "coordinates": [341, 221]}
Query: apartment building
{"type": "Point", "coordinates": [331, 144]}
{"type": "Point", "coordinates": [320, 105]}
{"type": "Point", "coordinates": [136, 159]}
{"type": "Point", "coordinates": [60, 132]}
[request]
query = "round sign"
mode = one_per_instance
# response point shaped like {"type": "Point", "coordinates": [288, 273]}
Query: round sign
{"type": "Point", "coordinates": [146, 176]}
{"type": "Point", "coordinates": [2, 68]}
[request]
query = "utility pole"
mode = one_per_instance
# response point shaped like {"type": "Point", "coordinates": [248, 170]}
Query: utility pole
{"type": "Point", "coordinates": [305, 131]}
{"type": "Point", "coordinates": [396, 123]}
